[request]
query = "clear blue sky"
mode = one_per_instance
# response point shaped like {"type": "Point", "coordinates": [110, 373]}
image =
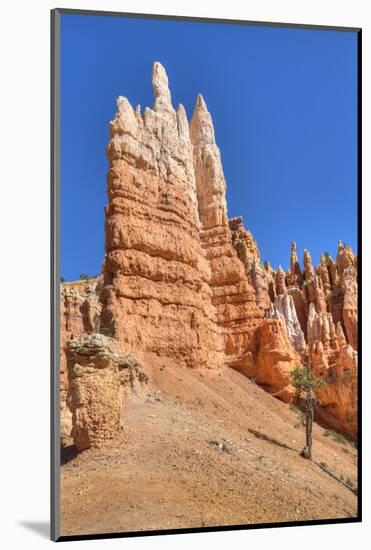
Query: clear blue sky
{"type": "Point", "coordinates": [284, 105]}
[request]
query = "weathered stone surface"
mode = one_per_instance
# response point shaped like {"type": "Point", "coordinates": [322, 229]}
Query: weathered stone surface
{"type": "Point", "coordinates": [99, 376]}
{"type": "Point", "coordinates": [308, 266]}
{"type": "Point", "coordinates": [276, 359]}
{"type": "Point", "coordinates": [80, 307]}
{"type": "Point", "coordinates": [280, 281]}
{"type": "Point", "coordinates": [156, 294]}
{"type": "Point", "coordinates": [285, 307]}
{"type": "Point", "coordinates": [248, 252]}
{"type": "Point", "coordinates": [243, 241]}
{"type": "Point", "coordinates": [233, 295]}
{"type": "Point", "coordinates": [335, 361]}
{"type": "Point", "coordinates": [295, 269]}
{"type": "Point", "coordinates": [80, 313]}
{"type": "Point", "coordinates": [327, 299]}
{"type": "Point", "coordinates": [65, 413]}
{"type": "Point", "coordinates": [350, 308]}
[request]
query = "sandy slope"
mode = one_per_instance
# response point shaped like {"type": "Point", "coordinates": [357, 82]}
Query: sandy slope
{"type": "Point", "coordinates": [170, 472]}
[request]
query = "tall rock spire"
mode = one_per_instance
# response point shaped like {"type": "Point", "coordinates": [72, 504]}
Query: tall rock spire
{"type": "Point", "coordinates": [155, 272]}
{"type": "Point", "coordinates": [182, 121]}
{"type": "Point", "coordinates": [233, 294]}
{"type": "Point", "coordinates": [280, 281]}
{"type": "Point", "coordinates": [323, 273]}
{"type": "Point", "coordinates": [201, 126]}
{"type": "Point", "coordinates": [294, 265]}
{"type": "Point", "coordinates": [211, 186]}
{"type": "Point", "coordinates": [160, 83]}
{"type": "Point", "coordinates": [294, 257]}
{"type": "Point", "coordinates": [308, 266]}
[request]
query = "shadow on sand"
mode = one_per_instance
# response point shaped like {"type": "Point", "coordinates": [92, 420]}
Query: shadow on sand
{"type": "Point", "coordinates": [68, 453]}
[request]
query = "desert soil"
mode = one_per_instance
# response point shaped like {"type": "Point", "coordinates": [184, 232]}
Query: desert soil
{"type": "Point", "coordinates": [188, 459]}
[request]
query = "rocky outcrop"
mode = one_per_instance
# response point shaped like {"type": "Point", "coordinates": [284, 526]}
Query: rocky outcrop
{"type": "Point", "coordinates": [276, 359]}
{"type": "Point", "coordinates": [232, 295]}
{"type": "Point", "coordinates": [284, 307]}
{"type": "Point", "coordinates": [243, 241]}
{"type": "Point", "coordinates": [335, 361]}
{"type": "Point", "coordinates": [350, 309]}
{"type": "Point", "coordinates": [325, 298]}
{"type": "Point", "coordinates": [156, 294]}
{"type": "Point", "coordinates": [248, 253]}
{"type": "Point", "coordinates": [80, 307]}
{"type": "Point", "coordinates": [80, 311]}
{"type": "Point", "coordinates": [65, 413]}
{"type": "Point", "coordinates": [99, 377]}
{"type": "Point", "coordinates": [182, 281]}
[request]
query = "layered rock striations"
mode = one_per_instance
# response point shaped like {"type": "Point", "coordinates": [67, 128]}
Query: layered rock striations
{"type": "Point", "coordinates": [325, 299]}
{"type": "Point", "coordinates": [156, 293]}
{"type": "Point", "coordinates": [80, 311]}
{"type": "Point", "coordinates": [182, 281]}
{"type": "Point", "coordinates": [100, 376]}
{"type": "Point", "coordinates": [233, 294]}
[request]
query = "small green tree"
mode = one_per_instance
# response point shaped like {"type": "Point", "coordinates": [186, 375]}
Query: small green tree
{"type": "Point", "coordinates": [303, 381]}
{"type": "Point", "coordinates": [84, 277]}
{"type": "Point", "coordinates": [327, 257]}
{"type": "Point", "coordinates": [62, 279]}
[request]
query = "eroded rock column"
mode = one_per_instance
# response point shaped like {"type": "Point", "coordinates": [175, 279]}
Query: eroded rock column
{"type": "Point", "coordinates": [233, 296]}
{"type": "Point", "coordinates": [99, 376]}
{"type": "Point", "coordinates": [156, 295]}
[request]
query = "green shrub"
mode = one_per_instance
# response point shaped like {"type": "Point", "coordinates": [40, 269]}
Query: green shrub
{"type": "Point", "coordinates": [339, 438]}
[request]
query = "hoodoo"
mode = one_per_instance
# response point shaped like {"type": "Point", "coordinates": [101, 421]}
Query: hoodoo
{"type": "Point", "coordinates": [181, 280]}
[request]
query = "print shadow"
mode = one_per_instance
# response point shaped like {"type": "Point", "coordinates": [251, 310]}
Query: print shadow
{"type": "Point", "coordinates": [41, 528]}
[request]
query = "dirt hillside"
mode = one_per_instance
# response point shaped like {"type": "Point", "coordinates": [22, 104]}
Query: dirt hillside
{"type": "Point", "coordinates": [188, 459]}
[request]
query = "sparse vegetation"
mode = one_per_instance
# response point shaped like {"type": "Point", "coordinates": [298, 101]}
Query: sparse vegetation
{"type": "Point", "coordinates": [62, 279]}
{"type": "Point", "coordinates": [327, 257]}
{"type": "Point", "coordinates": [85, 277]}
{"type": "Point", "coordinates": [339, 438]}
{"type": "Point", "coordinates": [304, 382]}
{"type": "Point", "coordinates": [349, 482]}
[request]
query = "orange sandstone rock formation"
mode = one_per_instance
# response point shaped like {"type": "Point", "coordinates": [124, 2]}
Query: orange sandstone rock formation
{"type": "Point", "coordinates": [326, 299]}
{"type": "Point", "coordinates": [234, 297]}
{"type": "Point", "coordinates": [80, 311]}
{"type": "Point", "coordinates": [275, 360]}
{"type": "Point", "coordinates": [181, 280]}
{"type": "Point", "coordinates": [99, 376]}
{"type": "Point", "coordinates": [156, 293]}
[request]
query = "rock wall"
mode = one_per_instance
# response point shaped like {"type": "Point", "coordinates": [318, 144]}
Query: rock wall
{"type": "Point", "coordinates": [80, 311]}
{"type": "Point", "coordinates": [233, 295]}
{"type": "Point", "coordinates": [156, 293]}
{"type": "Point", "coordinates": [325, 299]}
{"type": "Point", "coordinates": [181, 280]}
